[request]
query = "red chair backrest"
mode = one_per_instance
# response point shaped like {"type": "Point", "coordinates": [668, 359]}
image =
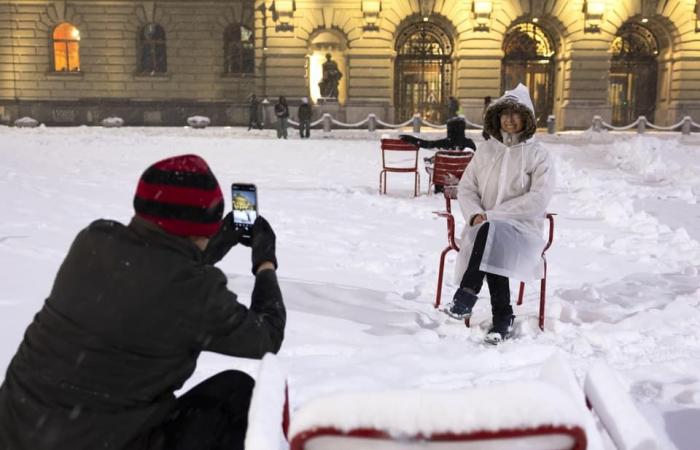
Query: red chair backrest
{"type": "Point", "coordinates": [397, 145]}
{"type": "Point", "coordinates": [449, 166]}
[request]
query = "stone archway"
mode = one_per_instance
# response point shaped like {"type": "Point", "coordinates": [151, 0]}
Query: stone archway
{"type": "Point", "coordinates": [633, 74]}
{"type": "Point", "coordinates": [528, 58]}
{"type": "Point", "coordinates": [423, 71]}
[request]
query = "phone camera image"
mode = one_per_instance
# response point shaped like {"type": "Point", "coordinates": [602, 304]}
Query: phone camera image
{"type": "Point", "coordinates": [245, 207]}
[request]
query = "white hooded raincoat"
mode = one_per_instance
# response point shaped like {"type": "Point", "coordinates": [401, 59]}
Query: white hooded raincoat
{"type": "Point", "coordinates": [512, 185]}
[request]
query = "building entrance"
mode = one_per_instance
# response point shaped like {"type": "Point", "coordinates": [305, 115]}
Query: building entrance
{"type": "Point", "coordinates": [633, 73]}
{"type": "Point", "coordinates": [529, 59]}
{"type": "Point", "coordinates": [423, 72]}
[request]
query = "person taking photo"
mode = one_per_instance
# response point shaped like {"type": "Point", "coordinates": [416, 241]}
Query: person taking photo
{"type": "Point", "coordinates": [130, 311]}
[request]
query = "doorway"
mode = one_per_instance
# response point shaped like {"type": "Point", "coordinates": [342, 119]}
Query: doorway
{"type": "Point", "coordinates": [529, 59]}
{"type": "Point", "coordinates": [423, 72]}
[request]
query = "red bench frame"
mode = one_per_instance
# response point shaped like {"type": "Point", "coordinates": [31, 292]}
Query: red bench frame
{"type": "Point", "coordinates": [451, 194]}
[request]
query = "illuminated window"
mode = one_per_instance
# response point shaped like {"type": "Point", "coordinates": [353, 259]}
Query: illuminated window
{"type": "Point", "coordinates": [154, 57]}
{"type": "Point", "coordinates": [239, 50]}
{"type": "Point", "coordinates": [66, 48]}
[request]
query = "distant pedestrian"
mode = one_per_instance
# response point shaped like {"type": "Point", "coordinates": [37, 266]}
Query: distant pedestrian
{"type": "Point", "coordinates": [304, 113]}
{"type": "Point", "coordinates": [452, 107]}
{"type": "Point", "coordinates": [254, 113]}
{"type": "Point", "coordinates": [282, 114]}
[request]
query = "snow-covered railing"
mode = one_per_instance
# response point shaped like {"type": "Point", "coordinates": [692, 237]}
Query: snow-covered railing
{"type": "Point", "coordinates": [685, 124]}
{"type": "Point", "coordinates": [372, 122]}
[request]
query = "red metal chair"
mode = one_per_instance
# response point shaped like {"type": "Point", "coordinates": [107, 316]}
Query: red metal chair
{"type": "Point", "coordinates": [397, 145]}
{"type": "Point", "coordinates": [451, 194]}
{"type": "Point", "coordinates": [448, 167]}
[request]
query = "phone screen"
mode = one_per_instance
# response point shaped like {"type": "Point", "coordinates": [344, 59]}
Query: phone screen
{"type": "Point", "coordinates": [244, 198]}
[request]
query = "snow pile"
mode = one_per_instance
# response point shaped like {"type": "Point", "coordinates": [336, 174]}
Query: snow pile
{"type": "Point", "coordinates": [198, 122]}
{"type": "Point", "coordinates": [26, 122]}
{"type": "Point", "coordinates": [112, 122]}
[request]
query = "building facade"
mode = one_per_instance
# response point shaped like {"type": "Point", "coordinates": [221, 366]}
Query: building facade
{"type": "Point", "coordinates": [158, 62]}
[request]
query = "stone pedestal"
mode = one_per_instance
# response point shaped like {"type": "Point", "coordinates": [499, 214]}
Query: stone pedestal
{"type": "Point", "coordinates": [329, 106]}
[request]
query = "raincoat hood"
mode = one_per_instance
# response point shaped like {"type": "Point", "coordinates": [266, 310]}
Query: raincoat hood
{"type": "Point", "coordinates": [517, 100]}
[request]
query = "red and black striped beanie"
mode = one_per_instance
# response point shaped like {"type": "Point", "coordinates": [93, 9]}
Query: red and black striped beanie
{"type": "Point", "coordinates": [181, 195]}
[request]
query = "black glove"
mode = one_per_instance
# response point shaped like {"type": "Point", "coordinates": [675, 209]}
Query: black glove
{"type": "Point", "coordinates": [262, 243]}
{"type": "Point", "coordinates": [220, 244]}
{"type": "Point", "coordinates": [409, 138]}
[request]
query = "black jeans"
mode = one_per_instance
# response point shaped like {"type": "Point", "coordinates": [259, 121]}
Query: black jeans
{"type": "Point", "coordinates": [499, 286]}
{"type": "Point", "coordinates": [211, 416]}
{"type": "Point", "coordinates": [304, 128]}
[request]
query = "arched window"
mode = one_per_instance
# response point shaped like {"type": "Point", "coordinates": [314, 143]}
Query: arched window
{"type": "Point", "coordinates": [239, 50]}
{"type": "Point", "coordinates": [528, 58]}
{"type": "Point", "coordinates": [633, 74]}
{"type": "Point", "coordinates": [66, 48]}
{"type": "Point", "coordinates": [154, 57]}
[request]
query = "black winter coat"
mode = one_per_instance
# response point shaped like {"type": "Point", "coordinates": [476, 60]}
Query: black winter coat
{"type": "Point", "coordinates": [455, 140]}
{"type": "Point", "coordinates": [130, 310]}
{"type": "Point", "coordinates": [304, 112]}
{"type": "Point", "coordinates": [281, 110]}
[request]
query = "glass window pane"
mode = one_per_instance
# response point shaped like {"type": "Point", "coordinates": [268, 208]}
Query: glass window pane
{"type": "Point", "coordinates": [66, 31]}
{"type": "Point", "coordinates": [73, 56]}
{"type": "Point", "coordinates": [60, 55]}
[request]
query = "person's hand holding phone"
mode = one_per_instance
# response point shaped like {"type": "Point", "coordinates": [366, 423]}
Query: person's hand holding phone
{"type": "Point", "coordinates": [262, 243]}
{"type": "Point", "coordinates": [227, 237]}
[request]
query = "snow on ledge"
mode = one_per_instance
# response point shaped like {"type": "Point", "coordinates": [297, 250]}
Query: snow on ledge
{"type": "Point", "coordinates": [198, 121]}
{"type": "Point", "coordinates": [26, 122]}
{"type": "Point", "coordinates": [267, 407]}
{"type": "Point", "coordinates": [518, 405]}
{"type": "Point", "coordinates": [610, 399]}
{"type": "Point", "coordinates": [112, 122]}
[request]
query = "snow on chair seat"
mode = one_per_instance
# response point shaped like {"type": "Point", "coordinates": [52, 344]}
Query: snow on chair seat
{"type": "Point", "coordinates": [528, 415]}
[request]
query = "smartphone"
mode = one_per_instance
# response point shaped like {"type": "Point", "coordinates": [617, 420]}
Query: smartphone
{"type": "Point", "coordinates": [244, 199]}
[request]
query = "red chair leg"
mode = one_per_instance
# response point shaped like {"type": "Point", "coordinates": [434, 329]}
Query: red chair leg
{"type": "Point", "coordinates": [543, 295]}
{"type": "Point", "coordinates": [438, 297]}
{"type": "Point", "coordinates": [521, 293]}
{"type": "Point", "coordinates": [466, 322]}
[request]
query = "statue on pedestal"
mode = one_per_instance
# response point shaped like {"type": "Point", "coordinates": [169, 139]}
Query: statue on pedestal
{"type": "Point", "coordinates": [331, 78]}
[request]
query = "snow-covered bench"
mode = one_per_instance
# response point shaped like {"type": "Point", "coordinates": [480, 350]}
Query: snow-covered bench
{"type": "Point", "coordinates": [525, 415]}
{"type": "Point", "coordinates": [548, 413]}
{"type": "Point", "coordinates": [544, 414]}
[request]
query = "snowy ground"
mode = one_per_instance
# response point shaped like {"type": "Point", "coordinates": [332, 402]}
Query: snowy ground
{"type": "Point", "coordinates": [358, 270]}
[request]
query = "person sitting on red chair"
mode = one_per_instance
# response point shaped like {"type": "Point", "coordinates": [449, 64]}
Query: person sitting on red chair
{"type": "Point", "coordinates": [503, 195]}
